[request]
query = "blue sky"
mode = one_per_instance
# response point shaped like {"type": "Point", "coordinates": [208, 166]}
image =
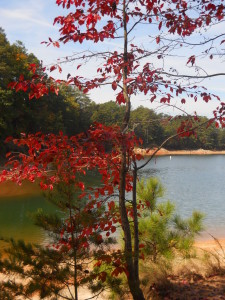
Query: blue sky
{"type": "Point", "coordinates": [27, 20]}
{"type": "Point", "coordinates": [30, 21]}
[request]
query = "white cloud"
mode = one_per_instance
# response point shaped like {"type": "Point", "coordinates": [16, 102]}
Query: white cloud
{"type": "Point", "coordinates": [24, 15]}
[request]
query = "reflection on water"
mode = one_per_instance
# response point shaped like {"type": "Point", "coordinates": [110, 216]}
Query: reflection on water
{"type": "Point", "coordinates": [192, 182]}
{"type": "Point", "coordinates": [18, 203]}
{"type": "Point", "coordinates": [16, 220]}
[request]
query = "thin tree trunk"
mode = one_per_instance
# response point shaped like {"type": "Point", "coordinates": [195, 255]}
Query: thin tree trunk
{"type": "Point", "coordinates": [133, 280]}
{"type": "Point", "coordinates": [74, 250]}
{"type": "Point", "coordinates": [136, 233]}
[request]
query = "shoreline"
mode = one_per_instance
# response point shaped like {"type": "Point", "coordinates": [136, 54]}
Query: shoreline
{"type": "Point", "coordinates": [189, 277]}
{"type": "Point", "coordinates": [210, 244]}
{"type": "Point", "coordinates": [165, 152]}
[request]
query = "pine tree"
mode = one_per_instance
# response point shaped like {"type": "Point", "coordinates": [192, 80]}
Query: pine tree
{"type": "Point", "coordinates": [164, 233]}
{"type": "Point", "coordinates": [73, 245]}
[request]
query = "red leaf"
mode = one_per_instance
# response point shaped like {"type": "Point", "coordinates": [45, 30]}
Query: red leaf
{"type": "Point", "coordinates": [21, 78]}
{"type": "Point", "coordinates": [8, 154]}
{"type": "Point", "coordinates": [191, 60]}
{"type": "Point", "coordinates": [52, 68]}
{"type": "Point", "coordinates": [56, 91]}
{"type": "Point", "coordinates": [153, 98]}
{"type": "Point", "coordinates": [114, 85]}
{"type": "Point", "coordinates": [56, 44]}
{"type": "Point", "coordinates": [120, 98]}
{"type": "Point", "coordinates": [111, 205]}
{"type": "Point", "coordinates": [128, 80]}
{"type": "Point", "coordinates": [142, 256]}
{"type": "Point", "coordinates": [82, 195]}
{"type": "Point", "coordinates": [102, 276]}
{"type": "Point", "coordinates": [160, 25]}
{"type": "Point", "coordinates": [157, 39]}
{"type": "Point", "coordinates": [113, 229]}
{"type": "Point", "coordinates": [12, 85]}
{"type": "Point", "coordinates": [18, 87]}
{"type": "Point", "coordinates": [60, 69]}
{"type": "Point", "coordinates": [117, 271]}
{"type": "Point", "coordinates": [139, 156]}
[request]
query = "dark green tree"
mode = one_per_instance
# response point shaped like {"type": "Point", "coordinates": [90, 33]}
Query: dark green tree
{"type": "Point", "coordinates": [146, 124]}
{"type": "Point", "coordinates": [221, 139]}
{"type": "Point", "coordinates": [109, 113]}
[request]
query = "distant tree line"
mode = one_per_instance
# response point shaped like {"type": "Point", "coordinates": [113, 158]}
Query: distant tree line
{"type": "Point", "coordinates": [154, 128]}
{"type": "Point", "coordinates": [73, 112]}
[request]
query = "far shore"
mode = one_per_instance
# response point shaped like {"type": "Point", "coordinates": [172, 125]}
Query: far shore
{"type": "Point", "coordinates": [10, 189]}
{"type": "Point", "coordinates": [165, 152]}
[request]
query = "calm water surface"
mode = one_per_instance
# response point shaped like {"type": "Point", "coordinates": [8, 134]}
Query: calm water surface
{"type": "Point", "coordinates": [15, 217]}
{"type": "Point", "coordinates": [192, 182]}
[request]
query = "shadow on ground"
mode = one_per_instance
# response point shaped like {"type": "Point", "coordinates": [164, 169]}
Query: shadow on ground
{"type": "Point", "coordinates": [191, 289]}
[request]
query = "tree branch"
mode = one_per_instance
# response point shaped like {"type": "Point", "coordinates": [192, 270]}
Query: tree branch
{"type": "Point", "coordinates": [168, 139]}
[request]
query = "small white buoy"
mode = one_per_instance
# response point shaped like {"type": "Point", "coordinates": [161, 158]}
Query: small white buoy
{"type": "Point", "coordinates": [170, 157]}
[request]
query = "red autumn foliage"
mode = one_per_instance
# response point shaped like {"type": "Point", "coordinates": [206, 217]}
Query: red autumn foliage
{"type": "Point", "coordinates": [50, 159]}
{"type": "Point", "coordinates": [100, 20]}
{"type": "Point", "coordinates": [74, 155]}
{"type": "Point", "coordinates": [128, 74]}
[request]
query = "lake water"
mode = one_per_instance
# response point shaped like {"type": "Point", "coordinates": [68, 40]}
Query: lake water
{"type": "Point", "coordinates": [192, 182]}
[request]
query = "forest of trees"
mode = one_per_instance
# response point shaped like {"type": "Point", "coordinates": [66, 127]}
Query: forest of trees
{"type": "Point", "coordinates": [73, 112]}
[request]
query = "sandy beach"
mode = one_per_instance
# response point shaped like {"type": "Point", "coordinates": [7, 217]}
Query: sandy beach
{"type": "Point", "coordinates": [210, 244]}
{"type": "Point", "coordinates": [164, 152]}
{"type": "Point", "coordinates": [187, 284]}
